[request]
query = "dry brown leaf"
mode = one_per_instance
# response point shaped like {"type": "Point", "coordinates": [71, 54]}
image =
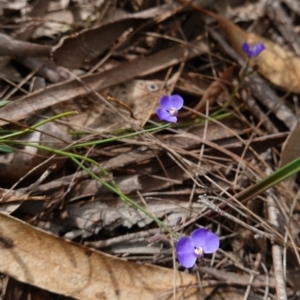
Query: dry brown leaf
{"type": "Point", "coordinates": [290, 151]}
{"type": "Point", "coordinates": [280, 66]}
{"type": "Point", "coordinates": [139, 95]}
{"type": "Point", "coordinates": [133, 100]}
{"type": "Point", "coordinates": [37, 258]}
{"type": "Point", "coordinates": [12, 47]}
{"type": "Point", "coordinates": [82, 47]}
{"type": "Point", "coordinates": [64, 91]}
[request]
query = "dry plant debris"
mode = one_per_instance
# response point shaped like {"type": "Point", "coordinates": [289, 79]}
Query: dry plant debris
{"type": "Point", "coordinates": [133, 136]}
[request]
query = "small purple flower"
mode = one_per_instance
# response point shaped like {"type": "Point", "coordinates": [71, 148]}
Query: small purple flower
{"type": "Point", "coordinates": [201, 242]}
{"type": "Point", "coordinates": [169, 106]}
{"type": "Point", "coordinates": [253, 51]}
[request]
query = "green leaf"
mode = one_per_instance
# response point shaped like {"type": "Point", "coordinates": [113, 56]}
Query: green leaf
{"type": "Point", "coordinates": [3, 102]}
{"type": "Point", "coordinates": [6, 149]}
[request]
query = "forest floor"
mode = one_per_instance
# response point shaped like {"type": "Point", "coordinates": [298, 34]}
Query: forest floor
{"type": "Point", "coordinates": [101, 197]}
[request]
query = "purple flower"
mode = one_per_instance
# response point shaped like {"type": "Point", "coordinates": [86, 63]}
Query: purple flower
{"type": "Point", "coordinates": [253, 51]}
{"type": "Point", "coordinates": [169, 106]}
{"type": "Point", "coordinates": [190, 248]}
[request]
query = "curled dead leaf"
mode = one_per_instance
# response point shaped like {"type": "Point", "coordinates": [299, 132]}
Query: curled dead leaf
{"type": "Point", "coordinates": [31, 255]}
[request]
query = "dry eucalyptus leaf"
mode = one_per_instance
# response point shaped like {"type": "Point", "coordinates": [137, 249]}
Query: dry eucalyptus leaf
{"type": "Point", "coordinates": [84, 46]}
{"type": "Point", "coordinates": [13, 47]}
{"type": "Point", "coordinates": [290, 151]}
{"type": "Point", "coordinates": [134, 100]}
{"type": "Point", "coordinates": [140, 96]}
{"type": "Point", "coordinates": [40, 259]}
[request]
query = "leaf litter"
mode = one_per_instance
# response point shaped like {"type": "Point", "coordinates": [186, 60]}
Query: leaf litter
{"type": "Point", "coordinates": [65, 184]}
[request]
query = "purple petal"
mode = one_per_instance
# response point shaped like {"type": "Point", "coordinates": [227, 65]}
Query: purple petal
{"type": "Point", "coordinates": [163, 115]}
{"type": "Point", "coordinates": [165, 102]}
{"type": "Point", "coordinates": [246, 48]}
{"type": "Point", "coordinates": [258, 48]}
{"type": "Point", "coordinates": [171, 119]}
{"type": "Point", "coordinates": [205, 239]}
{"type": "Point", "coordinates": [176, 101]}
{"type": "Point", "coordinates": [186, 252]}
{"type": "Point", "coordinates": [253, 51]}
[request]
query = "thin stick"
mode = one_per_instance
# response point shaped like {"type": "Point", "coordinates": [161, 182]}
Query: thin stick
{"type": "Point", "coordinates": [252, 276]}
{"type": "Point", "coordinates": [276, 249]}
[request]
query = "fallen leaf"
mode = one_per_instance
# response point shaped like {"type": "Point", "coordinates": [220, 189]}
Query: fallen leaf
{"type": "Point", "coordinates": [32, 256]}
{"type": "Point", "coordinates": [84, 46]}
{"type": "Point", "coordinates": [290, 151]}
{"type": "Point", "coordinates": [12, 47]}
{"type": "Point", "coordinates": [139, 95]}
{"type": "Point", "coordinates": [133, 100]}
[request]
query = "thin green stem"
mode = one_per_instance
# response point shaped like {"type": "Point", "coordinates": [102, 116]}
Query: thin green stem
{"type": "Point", "coordinates": [32, 128]}
{"type": "Point", "coordinates": [115, 189]}
{"type": "Point", "coordinates": [117, 138]}
{"type": "Point", "coordinates": [125, 198]}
